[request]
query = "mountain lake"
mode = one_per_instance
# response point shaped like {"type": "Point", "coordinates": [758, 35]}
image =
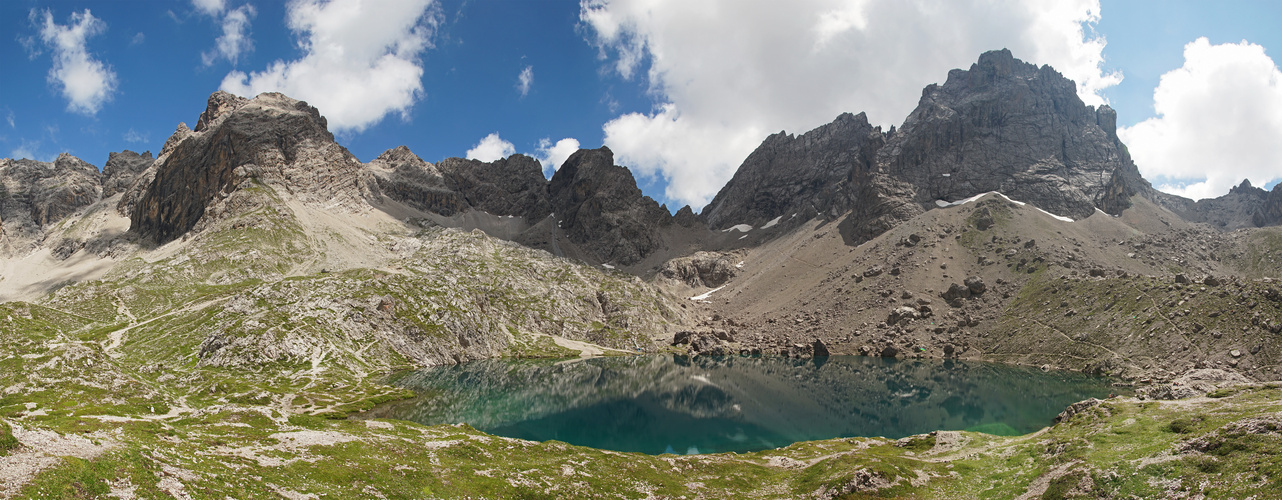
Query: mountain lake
{"type": "Point", "coordinates": [688, 405]}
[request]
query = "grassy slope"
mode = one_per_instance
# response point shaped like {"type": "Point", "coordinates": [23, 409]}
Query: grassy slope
{"type": "Point", "coordinates": [1226, 447]}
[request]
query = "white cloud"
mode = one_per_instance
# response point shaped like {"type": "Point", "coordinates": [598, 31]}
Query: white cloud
{"type": "Point", "coordinates": [726, 73]}
{"type": "Point", "coordinates": [13, 123]}
{"type": "Point", "coordinates": [524, 80]}
{"type": "Point", "coordinates": [1219, 117]}
{"type": "Point", "coordinates": [235, 39]}
{"type": "Point", "coordinates": [209, 7]}
{"type": "Point", "coordinates": [360, 59]}
{"type": "Point", "coordinates": [553, 155]}
{"type": "Point", "coordinates": [135, 137]}
{"type": "Point", "coordinates": [491, 148]}
{"type": "Point", "coordinates": [138, 39]}
{"type": "Point", "coordinates": [86, 82]}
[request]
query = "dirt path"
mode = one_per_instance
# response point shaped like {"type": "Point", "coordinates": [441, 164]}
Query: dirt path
{"type": "Point", "coordinates": [586, 350]}
{"type": "Point", "coordinates": [118, 336]}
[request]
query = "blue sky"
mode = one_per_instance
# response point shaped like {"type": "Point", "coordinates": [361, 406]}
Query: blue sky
{"type": "Point", "coordinates": [682, 91]}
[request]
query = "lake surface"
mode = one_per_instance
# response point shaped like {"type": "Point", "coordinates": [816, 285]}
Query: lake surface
{"type": "Point", "coordinates": [677, 404]}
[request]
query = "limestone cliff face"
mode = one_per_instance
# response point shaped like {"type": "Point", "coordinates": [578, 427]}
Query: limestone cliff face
{"type": "Point", "coordinates": [601, 209]}
{"type": "Point", "coordinates": [122, 169]}
{"type": "Point", "coordinates": [35, 194]}
{"type": "Point", "coordinates": [271, 138]}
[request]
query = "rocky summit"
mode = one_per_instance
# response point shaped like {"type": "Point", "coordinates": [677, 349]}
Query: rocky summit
{"type": "Point", "coordinates": [176, 324]}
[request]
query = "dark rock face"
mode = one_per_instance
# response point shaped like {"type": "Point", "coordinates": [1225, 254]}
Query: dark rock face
{"type": "Point", "coordinates": [796, 175]}
{"type": "Point", "coordinates": [601, 209]}
{"type": "Point", "coordinates": [597, 203]}
{"type": "Point", "coordinates": [403, 176]}
{"type": "Point", "coordinates": [510, 186]}
{"type": "Point", "coordinates": [1003, 125]}
{"type": "Point", "coordinates": [271, 137]}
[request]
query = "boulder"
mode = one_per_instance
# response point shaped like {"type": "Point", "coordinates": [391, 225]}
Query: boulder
{"type": "Point", "coordinates": [976, 285]}
{"type": "Point", "coordinates": [956, 292]}
{"type": "Point", "coordinates": [902, 313]}
{"type": "Point", "coordinates": [819, 349]}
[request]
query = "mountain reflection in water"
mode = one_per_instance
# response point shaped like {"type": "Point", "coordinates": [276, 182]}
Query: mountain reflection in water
{"type": "Point", "coordinates": [677, 404]}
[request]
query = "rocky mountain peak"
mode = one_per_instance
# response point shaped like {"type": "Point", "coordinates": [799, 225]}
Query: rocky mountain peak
{"type": "Point", "coordinates": [1009, 126]}
{"type": "Point", "coordinates": [36, 194]}
{"type": "Point", "coordinates": [122, 169]}
{"type": "Point", "coordinates": [277, 140]}
{"type": "Point", "coordinates": [1246, 188]}
{"type": "Point", "coordinates": [804, 175]}
{"type": "Point", "coordinates": [601, 209]}
{"type": "Point", "coordinates": [221, 103]}
{"type": "Point", "coordinates": [512, 186]}
{"type": "Point", "coordinates": [1003, 125]}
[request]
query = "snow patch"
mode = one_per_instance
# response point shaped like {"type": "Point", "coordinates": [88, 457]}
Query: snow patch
{"type": "Point", "coordinates": [743, 228]}
{"type": "Point", "coordinates": [946, 204]}
{"type": "Point", "coordinates": [1056, 217]}
{"type": "Point", "coordinates": [948, 175]}
{"type": "Point", "coordinates": [705, 295]}
{"type": "Point", "coordinates": [739, 265]}
{"type": "Point", "coordinates": [607, 266]}
{"type": "Point", "coordinates": [772, 222]}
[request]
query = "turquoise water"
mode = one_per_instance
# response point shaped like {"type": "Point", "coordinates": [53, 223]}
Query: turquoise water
{"type": "Point", "coordinates": [678, 404]}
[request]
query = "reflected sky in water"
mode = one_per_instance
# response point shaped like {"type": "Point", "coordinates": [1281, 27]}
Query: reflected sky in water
{"type": "Point", "coordinates": [678, 404]}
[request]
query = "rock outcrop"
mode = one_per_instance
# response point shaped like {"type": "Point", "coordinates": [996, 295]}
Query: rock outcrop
{"type": "Point", "coordinates": [703, 269]}
{"type": "Point", "coordinates": [404, 177]}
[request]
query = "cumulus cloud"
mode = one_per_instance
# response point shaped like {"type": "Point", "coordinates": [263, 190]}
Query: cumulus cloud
{"type": "Point", "coordinates": [524, 80]}
{"type": "Point", "coordinates": [360, 59]}
{"type": "Point", "coordinates": [553, 155]}
{"type": "Point", "coordinates": [209, 7]}
{"type": "Point", "coordinates": [86, 82]}
{"type": "Point", "coordinates": [491, 148]}
{"type": "Point", "coordinates": [1218, 120]}
{"type": "Point", "coordinates": [726, 73]}
{"type": "Point", "coordinates": [235, 39]}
